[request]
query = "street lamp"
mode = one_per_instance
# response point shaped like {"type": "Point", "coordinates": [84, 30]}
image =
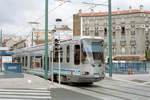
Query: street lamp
{"type": "Point", "coordinates": [33, 23]}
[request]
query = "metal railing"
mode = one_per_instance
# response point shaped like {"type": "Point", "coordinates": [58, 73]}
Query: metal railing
{"type": "Point", "coordinates": [128, 67]}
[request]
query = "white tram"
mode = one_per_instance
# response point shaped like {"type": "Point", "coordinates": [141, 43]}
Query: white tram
{"type": "Point", "coordinates": [81, 60]}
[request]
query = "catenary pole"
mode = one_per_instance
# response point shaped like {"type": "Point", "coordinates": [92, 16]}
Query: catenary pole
{"type": "Point", "coordinates": [110, 39]}
{"type": "Point", "coordinates": [46, 40]}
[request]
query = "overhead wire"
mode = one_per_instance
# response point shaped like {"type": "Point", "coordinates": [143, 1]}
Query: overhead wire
{"type": "Point", "coordinates": [50, 11]}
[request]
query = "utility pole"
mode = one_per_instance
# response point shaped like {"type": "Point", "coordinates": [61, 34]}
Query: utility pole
{"type": "Point", "coordinates": [110, 39]}
{"type": "Point", "coordinates": [46, 39]}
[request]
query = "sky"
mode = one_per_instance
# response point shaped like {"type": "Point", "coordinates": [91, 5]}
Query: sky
{"type": "Point", "coordinates": [15, 15]}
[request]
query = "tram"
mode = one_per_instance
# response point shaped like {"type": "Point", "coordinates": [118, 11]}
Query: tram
{"type": "Point", "coordinates": [81, 60]}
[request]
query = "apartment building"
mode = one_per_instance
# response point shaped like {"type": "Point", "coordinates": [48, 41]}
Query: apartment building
{"type": "Point", "coordinates": [130, 30]}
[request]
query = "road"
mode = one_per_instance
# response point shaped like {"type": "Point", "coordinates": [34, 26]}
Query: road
{"type": "Point", "coordinates": [107, 89]}
{"type": "Point", "coordinates": [24, 94]}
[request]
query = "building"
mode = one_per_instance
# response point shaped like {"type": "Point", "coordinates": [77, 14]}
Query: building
{"type": "Point", "coordinates": [63, 32]}
{"type": "Point", "coordinates": [19, 45]}
{"type": "Point", "coordinates": [130, 29]}
{"type": "Point", "coordinates": [9, 40]}
{"type": "Point", "coordinates": [39, 37]}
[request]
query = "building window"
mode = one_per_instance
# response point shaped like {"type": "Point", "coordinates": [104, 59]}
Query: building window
{"type": "Point", "coordinates": [86, 31]}
{"type": "Point", "coordinates": [114, 34]}
{"type": "Point", "coordinates": [96, 31]}
{"type": "Point", "coordinates": [114, 51]}
{"type": "Point", "coordinates": [77, 54]}
{"type": "Point", "coordinates": [105, 32]}
{"type": "Point", "coordinates": [133, 50]}
{"type": "Point", "coordinates": [68, 54]}
{"type": "Point", "coordinates": [123, 30]}
{"type": "Point", "coordinates": [123, 51]}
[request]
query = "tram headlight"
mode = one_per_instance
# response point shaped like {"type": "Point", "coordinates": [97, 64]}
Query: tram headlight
{"type": "Point", "coordinates": [85, 73]}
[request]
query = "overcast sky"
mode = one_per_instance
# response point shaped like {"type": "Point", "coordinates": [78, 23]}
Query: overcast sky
{"type": "Point", "coordinates": [15, 14]}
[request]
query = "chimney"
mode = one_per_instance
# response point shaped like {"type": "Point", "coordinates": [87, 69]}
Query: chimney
{"type": "Point", "coordinates": [141, 8]}
{"type": "Point", "coordinates": [80, 12]}
{"type": "Point", "coordinates": [130, 9]}
{"type": "Point", "coordinates": [118, 10]}
{"type": "Point", "coordinates": [92, 11]}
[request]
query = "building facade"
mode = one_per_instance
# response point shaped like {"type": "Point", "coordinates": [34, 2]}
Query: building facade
{"type": "Point", "coordinates": [130, 30]}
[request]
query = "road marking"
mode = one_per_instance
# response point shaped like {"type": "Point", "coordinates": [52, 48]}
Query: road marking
{"type": "Point", "coordinates": [24, 94]}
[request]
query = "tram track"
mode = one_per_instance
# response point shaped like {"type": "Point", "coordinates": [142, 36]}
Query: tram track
{"type": "Point", "coordinates": [113, 90]}
{"type": "Point", "coordinates": [122, 98]}
{"type": "Point", "coordinates": [120, 94]}
{"type": "Point", "coordinates": [135, 87]}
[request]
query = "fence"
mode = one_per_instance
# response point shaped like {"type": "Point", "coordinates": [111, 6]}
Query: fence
{"type": "Point", "coordinates": [128, 67]}
{"type": "Point", "coordinates": [12, 67]}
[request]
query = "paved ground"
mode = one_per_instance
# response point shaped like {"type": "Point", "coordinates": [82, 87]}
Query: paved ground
{"type": "Point", "coordinates": [119, 87]}
{"type": "Point", "coordinates": [65, 94]}
{"type": "Point", "coordinates": [141, 79]}
{"type": "Point", "coordinates": [24, 87]}
{"type": "Point", "coordinates": [23, 81]}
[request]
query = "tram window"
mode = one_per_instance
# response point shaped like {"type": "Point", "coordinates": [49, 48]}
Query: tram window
{"type": "Point", "coordinates": [22, 61]}
{"type": "Point", "coordinates": [68, 54]}
{"type": "Point", "coordinates": [61, 54]}
{"type": "Point", "coordinates": [77, 54]}
{"type": "Point", "coordinates": [26, 61]}
{"type": "Point", "coordinates": [56, 56]}
{"type": "Point", "coordinates": [31, 61]}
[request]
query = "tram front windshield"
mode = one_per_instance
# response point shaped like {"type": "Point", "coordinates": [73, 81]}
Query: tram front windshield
{"type": "Point", "coordinates": [92, 52]}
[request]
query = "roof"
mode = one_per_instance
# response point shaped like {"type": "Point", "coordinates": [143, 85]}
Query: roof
{"type": "Point", "coordinates": [40, 41]}
{"type": "Point", "coordinates": [22, 41]}
{"type": "Point", "coordinates": [64, 28]}
{"type": "Point", "coordinates": [114, 13]}
{"type": "Point", "coordinates": [130, 58]}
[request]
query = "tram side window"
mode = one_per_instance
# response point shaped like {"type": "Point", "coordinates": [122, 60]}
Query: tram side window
{"type": "Point", "coordinates": [61, 54]}
{"type": "Point", "coordinates": [56, 56]}
{"type": "Point", "coordinates": [68, 54]}
{"type": "Point", "coordinates": [77, 54]}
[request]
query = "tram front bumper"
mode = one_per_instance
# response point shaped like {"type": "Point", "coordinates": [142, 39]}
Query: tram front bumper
{"type": "Point", "coordinates": [87, 79]}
